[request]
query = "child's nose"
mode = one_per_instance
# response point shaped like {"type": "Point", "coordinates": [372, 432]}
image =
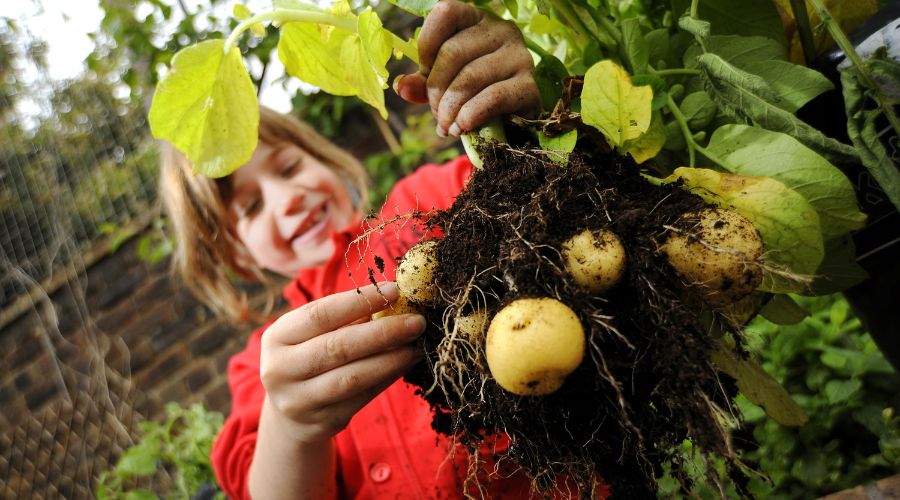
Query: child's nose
{"type": "Point", "coordinates": [292, 203]}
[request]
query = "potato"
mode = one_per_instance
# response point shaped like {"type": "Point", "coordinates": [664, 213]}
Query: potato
{"type": "Point", "coordinates": [401, 306]}
{"type": "Point", "coordinates": [415, 274]}
{"type": "Point", "coordinates": [719, 255]}
{"type": "Point", "coordinates": [595, 260]}
{"type": "Point", "coordinates": [533, 345]}
{"type": "Point", "coordinates": [472, 326]}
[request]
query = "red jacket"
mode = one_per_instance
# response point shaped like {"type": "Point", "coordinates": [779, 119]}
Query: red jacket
{"type": "Point", "coordinates": [389, 449]}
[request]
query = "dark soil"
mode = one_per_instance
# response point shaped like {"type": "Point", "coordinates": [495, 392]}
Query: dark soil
{"type": "Point", "coordinates": [646, 383]}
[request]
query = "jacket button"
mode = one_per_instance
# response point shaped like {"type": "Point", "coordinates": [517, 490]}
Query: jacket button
{"type": "Point", "coordinates": [380, 472]}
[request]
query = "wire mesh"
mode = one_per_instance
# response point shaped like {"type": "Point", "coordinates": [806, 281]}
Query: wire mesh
{"type": "Point", "coordinates": [77, 165]}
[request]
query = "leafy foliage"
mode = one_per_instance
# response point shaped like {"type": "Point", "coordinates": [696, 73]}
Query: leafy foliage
{"type": "Point", "coordinates": [836, 374]}
{"type": "Point", "coordinates": [180, 444]}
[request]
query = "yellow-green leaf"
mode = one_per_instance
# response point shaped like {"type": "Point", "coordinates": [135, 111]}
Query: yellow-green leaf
{"type": "Point", "coordinates": [649, 144]}
{"type": "Point", "coordinates": [788, 224]}
{"type": "Point", "coordinates": [376, 44]}
{"type": "Point", "coordinates": [308, 54]}
{"type": "Point", "coordinates": [206, 107]}
{"type": "Point", "coordinates": [366, 83]}
{"type": "Point", "coordinates": [612, 105]}
{"type": "Point", "coordinates": [560, 146]}
{"type": "Point", "coordinates": [240, 11]}
{"type": "Point", "coordinates": [258, 29]}
{"type": "Point", "coordinates": [340, 8]}
{"type": "Point", "coordinates": [760, 388]}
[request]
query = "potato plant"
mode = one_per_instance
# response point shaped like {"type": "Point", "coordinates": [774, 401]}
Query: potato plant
{"type": "Point", "coordinates": [671, 194]}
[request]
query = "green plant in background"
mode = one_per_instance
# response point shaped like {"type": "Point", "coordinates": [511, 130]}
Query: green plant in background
{"type": "Point", "coordinates": [180, 445]}
{"type": "Point", "coordinates": [418, 144]}
{"type": "Point", "coordinates": [834, 371]}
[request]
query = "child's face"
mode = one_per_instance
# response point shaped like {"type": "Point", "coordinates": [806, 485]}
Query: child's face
{"type": "Point", "coordinates": [285, 204]}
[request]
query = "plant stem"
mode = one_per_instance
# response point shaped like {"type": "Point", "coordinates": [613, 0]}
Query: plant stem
{"type": "Point", "coordinates": [572, 18]}
{"type": "Point", "coordinates": [282, 16]}
{"type": "Point", "coordinates": [677, 72]}
{"type": "Point", "coordinates": [534, 47]}
{"type": "Point", "coordinates": [685, 131]}
{"type": "Point", "coordinates": [801, 17]}
{"type": "Point", "coordinates": [844, 43]}
{"type": "Point", "coordinates": [695, 7]}
{"type": "Point", "coordinates": [692, 145]}
{"type": "Point", "coordinates": [492, 130]}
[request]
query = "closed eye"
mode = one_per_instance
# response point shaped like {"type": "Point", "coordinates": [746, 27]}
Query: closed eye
{"type": "Point", "coordinates": [290, 168]}
{"type": "Point", "coordinates": [248, 208]}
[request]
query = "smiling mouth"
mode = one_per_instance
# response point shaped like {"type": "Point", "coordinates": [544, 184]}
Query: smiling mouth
{"type": "Point", "coordinates": [316, 216]}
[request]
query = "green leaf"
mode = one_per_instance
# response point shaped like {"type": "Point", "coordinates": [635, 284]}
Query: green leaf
{"type": "Point", "coordinates": [739, 51]}
{"type": "Point", "coordinates": [696, 27]}
{"type": "Point", "coordinates": [612, 105]}
{"type": "Point", "coordinates": [759, 387]}
{"type": "Point", "coordinates": [788, 224]}
{"type": "Point", "coordinates": [743, 17]}
{"type": "Point", "coordinates": [139, 460]}
{"type": "Point", "coordinates": [864, 134]}
{"type": "Point", "coordinates": [839, 269]}
{"type": "Point", "coordinates": [418, 7]}
{"type": "Point", "coordinates": [658, 45]}
{"type": "Point", "coordinates": [795, 85]}
{"type": "Point", "coordinates": [698, 109]}
{"type": "Point", "coordinates": [635, 48]}
{"type": "Point", "coordinates": [377, 48]}
{"type": "Point", "coordinates": [513, 7]}
{"type": "Point", "coordinates": [657, 85]}
{"type": "Point", "coordinates": [782, 310]}
{"type": "Point", "coordinates": [206, 107]}
{"type": "Point", "coordinates": [240, 11]}
{"type": "Point", "coordinates": [649, 144]}
{"type": "Point", "coordinates": [748, 97]}
{"type": "Point", "coordinates": [841, 390]}
{"type": "Point", "coordinates": [559, 146]}
{"type": "Point", "coordinates": [549, 75]}
{"type": "Point", "coordinates": [307, 52]}
{"type": "Point", "coordinates": [140, 494]}
{"type": "Point", "coordinates": [753, 151]}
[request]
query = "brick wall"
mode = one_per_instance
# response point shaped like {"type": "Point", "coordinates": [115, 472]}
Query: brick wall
{"type": "Point", "coordinates": [82, 364]}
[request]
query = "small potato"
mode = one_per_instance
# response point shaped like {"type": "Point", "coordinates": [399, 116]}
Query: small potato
{"type": "Point", "coordinates": [719, 255]}
{"type": "Point", "coordinates": [533, 345]}
{"type": "Point", "coordinates": [472, 326]}
{"type": "Point", "coordinates": [401, 306]}
{"type": "Point", "coordinates": [415, 274]}
{"type": "Point", "coordinates": [595, 260]}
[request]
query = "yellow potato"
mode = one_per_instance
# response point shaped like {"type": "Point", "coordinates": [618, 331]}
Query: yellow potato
{"type": "Point", "coordinates": [719, 255]}
{"type": "Point", "coordinates": [595, 260]}
{"type": "Point", "coordinates": [533, 345]}
{"type": "Point", "coordinates": [472, 326]}
{"type": "Point", "coordinates": [401, 306]}
{"type": "Point", "coordinates": [415, 274]}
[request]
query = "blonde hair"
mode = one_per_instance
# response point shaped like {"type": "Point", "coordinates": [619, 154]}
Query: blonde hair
{"type": "Point", "coordinates": [209, 254]}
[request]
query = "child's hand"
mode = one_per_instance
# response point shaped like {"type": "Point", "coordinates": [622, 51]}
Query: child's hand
{"type": "Point", "coordinates": [322, 362]}
{"type": "Point", "coordinates": [472, 67]}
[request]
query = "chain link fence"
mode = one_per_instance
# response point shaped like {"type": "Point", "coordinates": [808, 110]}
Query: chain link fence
{"type": "Point", "coordinates": [77, 168]}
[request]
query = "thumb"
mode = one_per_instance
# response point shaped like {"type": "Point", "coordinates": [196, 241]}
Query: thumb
{"type": "Point", "coordinates": [411, 88]}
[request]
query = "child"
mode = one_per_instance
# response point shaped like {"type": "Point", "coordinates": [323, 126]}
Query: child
{"type": "Point", "coordinates": [318, 410]}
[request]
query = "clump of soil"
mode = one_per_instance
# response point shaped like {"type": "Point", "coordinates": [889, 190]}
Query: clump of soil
{"type": "Point", "coordinates": [646, 383]}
